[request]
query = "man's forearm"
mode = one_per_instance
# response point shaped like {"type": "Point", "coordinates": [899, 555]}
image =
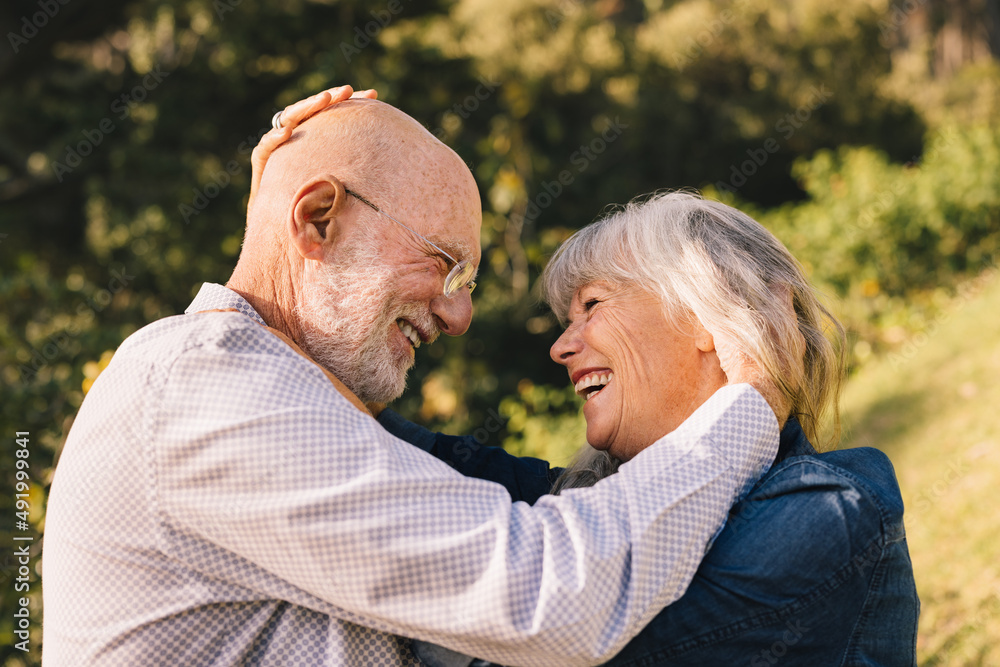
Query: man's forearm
{"type": "Point", "coordinates": [525, 478]}
{"type": "Point", "coordinates": [397, 541]}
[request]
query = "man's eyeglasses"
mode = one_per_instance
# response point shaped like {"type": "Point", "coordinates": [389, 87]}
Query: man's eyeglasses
{"type": "Point", "coordinates": [460, 275]}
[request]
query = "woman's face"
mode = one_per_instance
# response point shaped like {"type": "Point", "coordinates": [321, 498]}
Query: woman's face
{"type": "Point", "coordinates": [640, 376]}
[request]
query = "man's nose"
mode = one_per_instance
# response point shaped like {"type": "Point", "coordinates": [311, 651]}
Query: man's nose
{"type": "Point", "coordinates": [565, 346]}
{"type": "Point", "coordinates": [453, 314]}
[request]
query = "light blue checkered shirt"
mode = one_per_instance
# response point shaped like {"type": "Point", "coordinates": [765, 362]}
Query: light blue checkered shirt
{"type": "Point", "coordinates": [218, 502]}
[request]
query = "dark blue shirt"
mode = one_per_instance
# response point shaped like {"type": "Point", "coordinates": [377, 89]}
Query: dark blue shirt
{"type": "Point", "coordinates": [811, 569]}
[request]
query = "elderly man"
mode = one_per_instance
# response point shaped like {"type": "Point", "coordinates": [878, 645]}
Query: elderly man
{"type": "Point", "coordinates": [224, 497]}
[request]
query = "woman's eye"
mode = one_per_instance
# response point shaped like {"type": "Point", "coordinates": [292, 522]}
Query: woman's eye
{"type": "Point", "coordinates": [590, 303]}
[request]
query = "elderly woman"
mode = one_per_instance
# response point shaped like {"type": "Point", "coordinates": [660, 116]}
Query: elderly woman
{"type": "Point", "coordinates": [812, 567]}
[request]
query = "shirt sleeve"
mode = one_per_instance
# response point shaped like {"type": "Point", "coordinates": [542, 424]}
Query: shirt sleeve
{"type": "Point", "coordinates": [267, 477]}
{"type": "Point", "coordinates": [525, 478]}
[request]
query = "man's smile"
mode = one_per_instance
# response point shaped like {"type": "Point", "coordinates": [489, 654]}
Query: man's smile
{"type": "Point", "coordinates": [410, 332]}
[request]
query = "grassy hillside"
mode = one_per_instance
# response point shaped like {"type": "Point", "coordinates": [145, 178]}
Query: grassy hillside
{"type": "Point", "coordinates": [934, 408]}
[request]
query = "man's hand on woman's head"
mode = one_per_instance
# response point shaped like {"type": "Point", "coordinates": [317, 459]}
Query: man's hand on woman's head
{"type": "Point", "coordinates": [291, 117]}
{"type": "Point", "coordinates": [741, 367]}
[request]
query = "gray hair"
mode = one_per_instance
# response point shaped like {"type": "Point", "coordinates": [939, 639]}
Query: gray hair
{"type": "Point", "coordinates": [588, 467]}
{"type": "Point", "coordinates": [708, 260]}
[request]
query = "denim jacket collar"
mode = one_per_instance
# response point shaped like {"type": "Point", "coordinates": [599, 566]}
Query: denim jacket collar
{"type": "Point", "coordinates": [793, 442]}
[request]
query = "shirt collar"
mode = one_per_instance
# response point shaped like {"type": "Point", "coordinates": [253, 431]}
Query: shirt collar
{"type": "Point", "coordinates": [212, 296]}
{"type": "Point", "coordinates": [793, 442]}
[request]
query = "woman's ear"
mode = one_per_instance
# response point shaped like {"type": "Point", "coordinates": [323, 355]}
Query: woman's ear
{"type": "Point", "coordinates": [703, 340]}
{"type": "Point", "coordinates": [312, 222]}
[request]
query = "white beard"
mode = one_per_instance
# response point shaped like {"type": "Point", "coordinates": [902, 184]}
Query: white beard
{"type": "Point", "coordinates": [347, 316]}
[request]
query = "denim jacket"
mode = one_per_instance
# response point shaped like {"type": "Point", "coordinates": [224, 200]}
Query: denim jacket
{"type": "Point", "coordinates": [811, 568]}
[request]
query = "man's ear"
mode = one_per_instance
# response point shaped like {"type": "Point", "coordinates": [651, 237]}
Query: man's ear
{"type": "Point", "coordinates": [312, 223]}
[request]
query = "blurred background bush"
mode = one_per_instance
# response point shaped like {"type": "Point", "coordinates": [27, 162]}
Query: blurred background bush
{"type": "Point", "coordinates": [864, 133]}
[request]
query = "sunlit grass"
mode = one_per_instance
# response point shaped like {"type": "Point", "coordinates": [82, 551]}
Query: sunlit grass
{"type": "Point", "coordinates": [934, 409]}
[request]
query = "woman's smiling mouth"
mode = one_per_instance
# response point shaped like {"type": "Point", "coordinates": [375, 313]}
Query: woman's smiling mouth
{"type": "Point", "coordinates": [592, 383]}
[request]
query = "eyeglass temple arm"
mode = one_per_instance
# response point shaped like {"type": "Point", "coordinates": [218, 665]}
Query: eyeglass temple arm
{"type": "Point", "coordinates": [401, 224]}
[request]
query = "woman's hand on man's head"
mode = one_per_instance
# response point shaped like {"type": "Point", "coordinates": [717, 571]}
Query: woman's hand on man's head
{"type": "Point", "coordinates": [291, 117]}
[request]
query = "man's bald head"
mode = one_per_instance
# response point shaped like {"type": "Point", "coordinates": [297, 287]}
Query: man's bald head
{"type": "Point", "coordinates": [356, 290]}
{"type": "Point", "coordinates": [372, 147]}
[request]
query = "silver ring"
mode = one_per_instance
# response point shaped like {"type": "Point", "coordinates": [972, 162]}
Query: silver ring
{"type": "Point", "coordinates": [276, 120]}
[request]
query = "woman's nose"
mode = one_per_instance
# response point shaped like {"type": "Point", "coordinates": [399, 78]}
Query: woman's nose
{"type": "Point", "coordinates": [565, 346]}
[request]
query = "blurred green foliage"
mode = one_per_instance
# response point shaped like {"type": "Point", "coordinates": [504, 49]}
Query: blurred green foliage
{"type": "Point", "coordinates": [890, 242]}
{"type": "Point", "coordinates": [873, 143]}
